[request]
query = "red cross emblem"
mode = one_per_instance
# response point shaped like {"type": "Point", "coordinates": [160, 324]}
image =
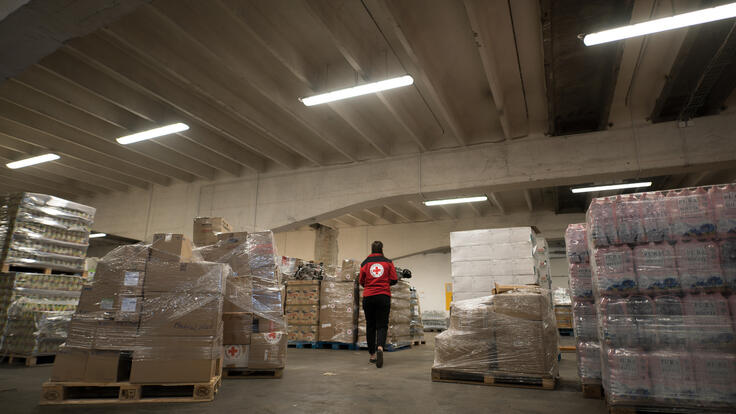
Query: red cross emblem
{"type": "Point", "coordinates": [233, 351]}
{"type": "Point", "coordinates": [376, 270]}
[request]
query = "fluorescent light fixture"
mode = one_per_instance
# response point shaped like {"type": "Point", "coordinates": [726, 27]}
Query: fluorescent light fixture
{"type": "Point", "coordinates": [612, 187]}
{"type": "Point", "coordinates": [32, 161]}
{"type": "Point", "coordinates": [97, 235]}
{"type": "Point", "coordinates": [712, 14]}
{"type": "Point", "coordinates": [455, 201]}
{"type": "Point", "coordinates": [153, 133]}
{"type": "Point", "coordinates": [374, 87]}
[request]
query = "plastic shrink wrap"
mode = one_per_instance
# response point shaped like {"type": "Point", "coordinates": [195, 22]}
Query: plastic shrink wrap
{"type": "Point", "coordinates": [400, 317]}
{"type": "Point", "coordinates": [513, 334]}
{"type": "Point", "coordinates": [338, 312]}
{"type": "Point", "coordinates": [43, 231]}
{"type": "Point", "coordinates": [584, 318]}
{"type": "Point", "coordinates": [662, 276]}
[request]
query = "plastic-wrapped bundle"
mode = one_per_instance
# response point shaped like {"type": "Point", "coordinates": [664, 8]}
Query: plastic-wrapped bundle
{"type": "Point", "coordinates": [656, 268]}
{"type": "Point", "coordinates": [338, 312]}
{"type": "Point", "coordinates": [512, 333]}
{"type": "Point", "coordinates": [716, 374]}
{"type": "Point", "coordinates": [691, 213]}
{"type": "Point", "coordinates": [589, 362]}
{"type": "Point", "coordinates": [709, 321]}
{"type": "Point", "coordinates": [601, 223]}
{"type": "Point", "coordinates": [616, 325]}
{"type": "Point", "coordinates": [673, 376]}
{"type": "Point", "coordinates": [45, 231]}
{"type": "Point", "coordinates": [698, 265]}
{"type": "Point", "coordinates": [629, 226]}
{"type": "Point", "coordinates": [585, 321]}
{"type": "Point", "coordinates": [581, 282]}
{"type": "Point", "coordinates": [614, 270]}
{"type": "Point", "coordinates": [628, 375]}
{"type": "Point", "coordinates": [723, 199]}
{"type": "Point", "coordinates": [728, 263]}
{"type": "Point", "coordinates": [655, 217]}
{"type": "Point", "coordinates": [670, 322]}
{"type": "Point", "coordinates": [576, 244]}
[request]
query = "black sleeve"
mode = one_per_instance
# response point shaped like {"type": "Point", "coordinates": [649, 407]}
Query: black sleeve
{"type": "Point", "coordinates": [392, 282]}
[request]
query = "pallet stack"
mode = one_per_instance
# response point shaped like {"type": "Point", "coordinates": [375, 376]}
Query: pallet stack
{"type": "Point", "coordinates": [151, 320]}
{"type": "Point", "coordinates": [399, 323]}
{"type": "Point", "coordinates": [587, 344]}
{"type": "Point", "coordinates": [505, 339]}
{"type": "Point", "coordinates": [664, 274]}
{"type": "Point", "coordinates": [43, 244]}
{"type": "Point", "coordinates": [254, 332]}
{"type": "Point", "coordinates": [338, 310]}
{"type": "Point", "coordinates": [302, 310]}
{"type": "Point", "coordinates": [563, 310]}
{"type": "Point", "coordinates": [416, 326]}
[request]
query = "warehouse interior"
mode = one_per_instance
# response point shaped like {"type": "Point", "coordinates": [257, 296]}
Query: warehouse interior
{"type": "Point", "coordinates": [507, 103]}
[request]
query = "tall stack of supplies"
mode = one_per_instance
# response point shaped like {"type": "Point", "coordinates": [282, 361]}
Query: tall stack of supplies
{"type": "Point", "coordinates": [663, 279]}
{"type": "Point", "coordinates": [302, 310]}
{"type": "Point", "coordinates": [399, 323]}
{"type": "Point", "coordinates": [583, 310]}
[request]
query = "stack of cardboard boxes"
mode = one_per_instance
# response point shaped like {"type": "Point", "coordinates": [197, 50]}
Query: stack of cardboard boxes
{"type": "Point", "coordinates": [338, 312]}
{"type": "Point", "coordinates": [400, 317]}
{"type": "Point", "coordinates": [512, 334]}
{"type": "Point", "coordinates": [206, 230]}
{"type": "Point", "coordinates": [302, 310]}
{"type": "Point", "coordinates": [152, 315]}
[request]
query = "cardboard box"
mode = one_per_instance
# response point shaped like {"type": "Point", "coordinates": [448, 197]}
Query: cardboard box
{"type": "Point", "coordinates": [523, 305]}
{"type": "Point", "coordinates": [202, 277]}
{"type": "Point", "coordinates": [263, 325]}
{"type": "Point", "coordinates": [267, 351]}
{"type": "Point", "coordinates": [102, 366]}
{"type": "Point", "coordinates": [174, 370]}
{"type": "Point", "coordinates": [302, 292]}
{"type": "Point", "coordinates": [237, 328]}
{"type": "Point", "coordinates": [102, 303]}
{"type": "Point", "coordinates": [526, 346]}
{"type": "Point", "coordinates": [89, 366]}
{"type": "Point", "coordinates": [70, 365]}
{"type": "Point", "coordinates": [231, 248]}
{"type": "Point", "coordinates": [338, 330]}
{"type": "Point", "coordinates": [116, 335]}
{"type": "Point", "coordinates": [302, 314]}
{"type": "Point", "coordinates": [172, 314]}
{"type": "Point", "coordinates": [238, 294]}
{"type": "Point", "coordinates": [303, 333]}
{"type": "Point", "coordinates": [126, 278]}
{"type": "Point", "coordinates": [169, 247]}
{"type": "Point", "coordinates": [206, 229]}
{"type": "Point", "coordinates": [235, 356]}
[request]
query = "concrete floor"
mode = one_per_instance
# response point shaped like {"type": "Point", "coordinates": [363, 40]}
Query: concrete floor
{"type": "Point", "coordinates": [326, 381]}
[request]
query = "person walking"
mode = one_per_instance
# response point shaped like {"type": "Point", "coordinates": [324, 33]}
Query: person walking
{"type": "Point", "coordinates": [377, 275]}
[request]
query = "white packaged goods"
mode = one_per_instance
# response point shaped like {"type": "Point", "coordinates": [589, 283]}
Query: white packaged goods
{"type": "Point", "coordinates": [663, 268]}
{"type": "Point", "coordinates": [509, 256]}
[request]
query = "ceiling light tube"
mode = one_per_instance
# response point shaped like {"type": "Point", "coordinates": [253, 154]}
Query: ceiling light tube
{"type": "Point", "coordinates": [32, 161]}
{"type": "Point", "coordinates": [153, 133]}
{"type": "Point", "coordinates": [374, 87]}
{"type": "Point", "coordinates": [712, 14]}
{"type": "Point", "coordinates": [612, 187]}
{"type": "Point", "coordinates": [455, 201]}
{"type": "Point", "coordinates": [97, 235]}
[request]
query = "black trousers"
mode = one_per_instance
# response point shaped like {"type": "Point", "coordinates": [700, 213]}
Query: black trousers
{"type": "Point", "coordinates": [376, 309]}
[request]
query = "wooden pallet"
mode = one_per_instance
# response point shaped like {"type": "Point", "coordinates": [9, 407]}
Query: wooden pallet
{"type": "Point", "coordinates": [303, 344]}
{"type": "Point", "coordinates": [24, 268]}
{"type": "Point", "coordinates": [337, 345]}
{"type": "Point", "coordinates": [418, 342]}
{"type": "Point", "coordinates": [29, 361]}
{"type": "Point", "coordinates": [498, 379]}
{"type": "Point", "coordinates": [247, 373]}
{"type": "Point", "coordinates": [567, 348]}
{"type": "Point", "coordinates": [70, 393]}
{"type": "Point", "coordinates": [566, 332]}
{"type": "Point", "coordinates": [594, 391]}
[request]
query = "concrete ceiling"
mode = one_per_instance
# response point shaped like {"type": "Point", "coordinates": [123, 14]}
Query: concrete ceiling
{"type": "Point", "coordinates": [484, 72]}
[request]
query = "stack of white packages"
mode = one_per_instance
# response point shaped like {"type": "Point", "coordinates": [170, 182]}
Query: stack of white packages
{"type": "Point", "coordinates": [663, 278]}
{"type": "Point", "coordinates": [583, 308]}
{"type": "Point", "coordinates": [483, 258]}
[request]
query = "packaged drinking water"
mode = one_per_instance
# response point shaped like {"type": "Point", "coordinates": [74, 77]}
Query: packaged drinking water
{"type": "Point", "coordinates": [585, 321]}
{"type": "Point", "coordinates": [716, 375]}
{"type": "Point", "coordinates": [614, 270]}
{"type": "Point", "coordinates": [699, 265]}
{"type": "Point", "coordinates": [691, 214]}
{"type": "Point", "coordinates": [656, 268]}
{"type": "Point", "coordinates": [589, 362]}
{"type": "Point", "coordinates": [581, 282]}
{"type": "Point", "coordinates": [728, 263]}
{"type": "Point", "coordinates": [724, 208]}
{"type": "Point", "coordinates": [655, 217]}
{"type": "Point", "coordinates": [629, 226]}
{"type": "Point", "coordinates": [673, 377]}
{"type": "Point", "coordinates": [709, 322]}
{"type": "Point", "coordinates": [672, 333]}
{"type": "Point", "coordinates": [641, 311]}
{"type": "Point", "coordinates": [576, 243]}
{"type": "Point", "coordinates": [732, 307]}
{"type": "Point", "coordinates": [629, 379]}
{"type": "Point", "coordinates": [617, 326]}
{"type": "Point", "coordinates": [601, 224]}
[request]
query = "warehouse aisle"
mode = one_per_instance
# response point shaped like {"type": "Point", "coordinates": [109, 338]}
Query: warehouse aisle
{"type": "Point", "coordinates": [326, 381]}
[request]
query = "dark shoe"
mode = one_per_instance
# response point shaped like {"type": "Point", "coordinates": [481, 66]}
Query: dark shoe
{"type": "Point", "coordinates": [371, 360]}
{"type": "Point", "coordinates": [379, 358]}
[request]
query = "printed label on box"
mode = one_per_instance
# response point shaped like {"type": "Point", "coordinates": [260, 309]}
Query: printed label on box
{"type": "Point", "coordinates": [326, 325]}
{"type": "Point", "coordinates": [128, 304]}
{"type": "Point", "coordinates": [131, 278]}
{"type": "Point", "coordinates": [106, 303]}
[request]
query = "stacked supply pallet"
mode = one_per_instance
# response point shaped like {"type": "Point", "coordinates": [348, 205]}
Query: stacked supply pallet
{"type": "Point", "coordinates": [302, 310]}
{"type": "Point", "coordinates": [434, 321]}
{"type": "Point", "coordinates": [482, 259]}
{"type": "Point", "coordinates": [583, 311]}
{"type": "Point", "coordinates": [48, 235]}
{"type": "Point", "coordinates": [416, 326]}
{"type": "Point", "coordinates": [338, 311]}
{"type": "Point", "coordinates": [664, 273]}
{"type": "Point", "coordinates": [505, 339]}
{"type": "Point", "coordinates": [44, 232]}
{"type": "Point", "coordinates": [152, 319]}
{"type": "Point", "coordinates": [563, 310]}
{"type": "Point", "coordinates": [399, 323]}
{"type": "Point", "coordinates": [254, 332]}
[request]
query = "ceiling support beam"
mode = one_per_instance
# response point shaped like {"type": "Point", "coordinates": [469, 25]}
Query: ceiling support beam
{"type": "Point", "coordinates": [496, 202]}
{"type": "Point", "coordinates": [528, 199]}
{"type": "Point", "coordinates": [362, 217]}
{"type": "Point", "coordinates": [401, 212]}
{"type": "Point", "coordinates": [475, 209]}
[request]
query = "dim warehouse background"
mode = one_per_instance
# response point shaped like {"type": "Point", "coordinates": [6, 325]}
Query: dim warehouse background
{"type": "Point", "coordinates": [506, 103]}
